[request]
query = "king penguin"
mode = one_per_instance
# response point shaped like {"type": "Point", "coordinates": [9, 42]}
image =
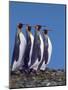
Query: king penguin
{"type": "Point", "coordinates": [38, 49]}
{"type": "Point", "coordinates": [19, 49]}
{"type": "Point", "coordinates": [29, 48]}
{"type": "Point", "coordinates": [47, 50]}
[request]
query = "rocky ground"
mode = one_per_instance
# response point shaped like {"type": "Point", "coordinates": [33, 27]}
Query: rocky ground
{"type": "Point", "coordinates": [41, 79]}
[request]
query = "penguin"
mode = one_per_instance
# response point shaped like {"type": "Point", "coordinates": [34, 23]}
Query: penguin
{"type": "Point", "coordinates": [19, 49]}
{"type": "Point", "coordinates": [47, 50]}
{"type": "Point", "coordinates": [29, 48]}
{"type": "Point", "coordinates": [38, 49]}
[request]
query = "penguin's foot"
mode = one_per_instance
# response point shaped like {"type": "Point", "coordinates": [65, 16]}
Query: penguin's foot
{"type": "Point", "coordinates": [30, 70]}
{"type": "Point", "coordinates": [42, 71]}
{"type": "Point", "coordinates": [13, 73]}
{"type": "Point", "coordinates": [26, 71]}
{"type": "Point", "coordinates": [34, 72]}
{"type": "Point", "coordinates": [38, 72]}
{"type": "Point", "coordinates": [21, 71]}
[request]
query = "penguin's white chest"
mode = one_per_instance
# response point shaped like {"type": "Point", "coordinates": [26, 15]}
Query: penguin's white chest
{"type": "Point", "coordinates": [31, 49]}
{"type": "Point", "coordinates": [41, 47]}
{"type": "Point", "coordinates": [22, 45]}
{"type": "Point", "coordinates": [49, 50]}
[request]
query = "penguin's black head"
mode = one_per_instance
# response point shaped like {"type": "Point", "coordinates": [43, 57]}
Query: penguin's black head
{"type": "Point", "coordinates": [38, 27]}
{"type": "Point", "coordinates": [20, 25]}
{"type": "Point", "coordinates": [28, 27]}
{"type": "Point", "coordinates": [45, 31]}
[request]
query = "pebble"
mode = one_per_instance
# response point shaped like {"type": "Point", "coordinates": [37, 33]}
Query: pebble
{"type": "Point", "coordinates": [51, 79]}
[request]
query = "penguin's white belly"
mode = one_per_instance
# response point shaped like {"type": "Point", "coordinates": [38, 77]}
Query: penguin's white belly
{"type": "Point", "coordinates": [18, 64]}
{"type": "Point", "coordinates": [49, 54]}
{"type": "Point", "coordinates": [31, 49]}
{"type": "Point", "coordinates": [49, 50]}
{"type": "Point", "coordinates": [36, 64]}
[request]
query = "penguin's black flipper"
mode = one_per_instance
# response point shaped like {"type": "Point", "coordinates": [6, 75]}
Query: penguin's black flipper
{"type": "Point", "coordinates": [16, 48]}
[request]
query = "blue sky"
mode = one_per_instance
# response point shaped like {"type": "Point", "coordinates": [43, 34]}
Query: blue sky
{"type": "Point", "coordinates": [51, 15]}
